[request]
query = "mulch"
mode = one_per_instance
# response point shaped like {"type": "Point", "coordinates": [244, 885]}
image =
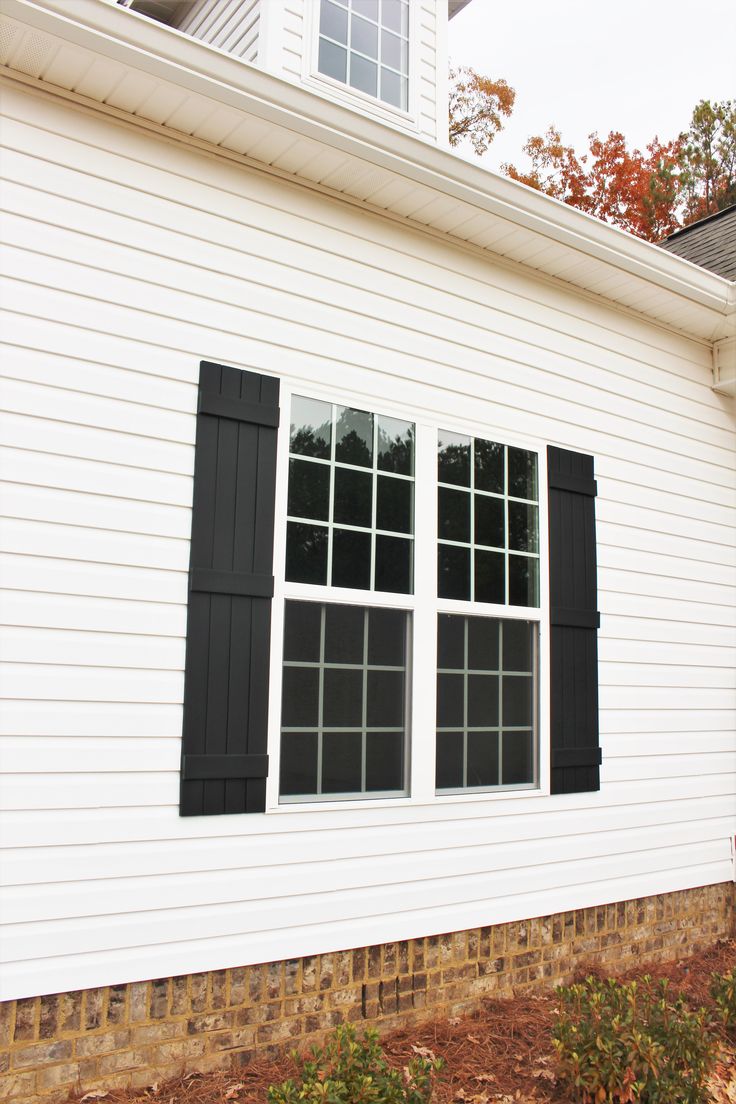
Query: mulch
{"type": "Point", "coordinates": [500, 1054]}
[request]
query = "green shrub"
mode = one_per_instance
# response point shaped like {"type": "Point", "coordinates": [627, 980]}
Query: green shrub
{"type": "Point", "coordinates": [348, 1070]}
{"type": "Point", "coordinates": [723, 992]}
{"type": "Point", "coordinates": [620, 1043]}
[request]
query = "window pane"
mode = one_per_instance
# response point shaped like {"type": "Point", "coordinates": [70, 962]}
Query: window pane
{"type": "Point", "coordinates": [483, 701]}
{"type": "Point", "coordinates": [354, 437]}
{"type": "Point", "coordinates": [489, 577]}
{"type": "Point", "coordinates": [368, 8]}
{"type": "Point", "coordinates": [309, 490]}
{"type": "Point", "coordinates": [384, 765]}
{"type": "Point", "coordinates": [333, 60]}
{"type": "Point", "coordinates": [298, 771]}
{"type": "Point", "coordinates": [341, 762]}
{"type": "Point", "coordinates": [387, 637]}
{"type": "Point", "coordinates": [385, 699]}
{"type": "Point", "coordinates": [395, 14]}
{"type": "Point", "coordinates": [363, 74]}
{"type": "Point", "coordinates": [488, 466]}
{"type": "Point", "coordinates": [489, 521]}
{"type": "Point", "coordinates": [395, 445]}
{"type": "Point", "coordinates": [394, 565]}
{"type": "Point", "coordinates": [523, 527]}
{"type": "Point", "coordinates": [353, 497]}
{"type": "Point", "coordinates": [364, 37]}
{"type": "Point", "coordinates": [344, 634]}
{"type": "Point", "coordinates": [483, 643]}
{"type": "Point", "coordinates": [453, 572]}
{"type": "Point", "coordinates": [394, 51]}
{"type": "Point", "coordinates": [522, 474]}
{"type": "Point", "coordinates": [453, 464]}
{"type": "Point", "coordinates": [518, 705]}
{"type": "Point", "coordinates": [517, 645]}
{"type": "Point", "coordinates": [311, 427]}
{"type": "Point", "coordinates": [343, 698]}
{"type": "Point", "coordinates": [302, 626]}
{"type": "Point", "coordinates": [394, 510]}
{"type": "Point", "coordinates": [300, 697]}
{"type": "Point", "coordinates": [483, 759]}
{"type": "Point", "coordinates": [518, 758]}
{"type": "Point", "coordinates": [523, 581]}
{"type": "Point", "coordinates": [306, 553]}
{"type": "Point", "coordinates": [351, 559]}
{"type": "Point", "coordinates": [450, 701]}
{"type": "Point", "coordinates": [453, 515]}
{"type": "Point", "coordinates": [450, 642]}
{"type": "Point", "coordinates": [392, 88]}
{"type": "Point", "coordinates": [449, 769]}
{"type": "Point", "coordinates": [333, 22]}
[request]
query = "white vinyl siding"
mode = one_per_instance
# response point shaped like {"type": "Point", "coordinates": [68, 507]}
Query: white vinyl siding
{"type": "Point", "coordinates": [231, 25]}
{"type": "Point", "coordinates": [128, 259]}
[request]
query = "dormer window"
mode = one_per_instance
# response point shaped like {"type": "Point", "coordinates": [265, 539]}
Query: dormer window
{"type": "Point", "coordinates": [365, 45]}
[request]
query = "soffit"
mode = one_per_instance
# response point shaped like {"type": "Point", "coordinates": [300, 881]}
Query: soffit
{"type": "Point", "coordinates": [111, 56]}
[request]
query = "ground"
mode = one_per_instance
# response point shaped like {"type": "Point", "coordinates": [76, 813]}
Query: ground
{"type": "Point", "coordinates": [500, 1054]}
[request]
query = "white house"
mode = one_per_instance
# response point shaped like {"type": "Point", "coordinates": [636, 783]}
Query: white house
{"type": "Point", "coordinates": [304, 418]}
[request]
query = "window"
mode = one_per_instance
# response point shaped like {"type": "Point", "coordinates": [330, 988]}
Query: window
{"type": "Point", "coordinates": [365, 45]}
{"type": "Point", "coordinates": [411, 604]}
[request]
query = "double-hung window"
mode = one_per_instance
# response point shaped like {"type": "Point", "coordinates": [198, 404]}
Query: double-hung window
{"type": "Point", "coordinates": [409, 632]}
{"type": "Point", "coordinates": [364, 44]}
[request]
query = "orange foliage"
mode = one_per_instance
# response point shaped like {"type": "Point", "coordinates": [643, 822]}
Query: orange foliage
{"type": "Point", "coordinates": [637, 191]}
{"type": "Point", "coordinates": [476, 106]}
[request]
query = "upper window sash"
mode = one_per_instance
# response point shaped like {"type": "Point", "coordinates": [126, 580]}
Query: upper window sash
{"type": "Point", "coordinates": [364, 44]}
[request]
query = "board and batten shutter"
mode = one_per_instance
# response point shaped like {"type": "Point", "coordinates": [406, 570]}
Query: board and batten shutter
{"type": "Point", "coordinates": [574, 621]}
{"type": "Point", "coordinates": [224, 738]}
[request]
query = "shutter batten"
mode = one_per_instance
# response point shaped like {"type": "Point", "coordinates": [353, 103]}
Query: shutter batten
{"type": "Point", "coordinates": [574, 621]}
{"type": "Point", "coordinates": [224, 739]}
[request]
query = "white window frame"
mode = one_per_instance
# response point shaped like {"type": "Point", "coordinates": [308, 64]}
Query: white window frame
{"type": "Point", "coordinates": [320, 82]}
{"type": "Point", "coordinates": [424, 606]}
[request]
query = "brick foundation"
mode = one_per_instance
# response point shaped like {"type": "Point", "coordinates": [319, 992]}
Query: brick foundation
{"type": "Point", "coordinates": [135, 1034]}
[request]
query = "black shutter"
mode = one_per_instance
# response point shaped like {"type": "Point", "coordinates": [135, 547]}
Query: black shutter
{"type": "Point", "coordinates": [224, 761]}
{"type": "Point", "coordinates": [574, 621]}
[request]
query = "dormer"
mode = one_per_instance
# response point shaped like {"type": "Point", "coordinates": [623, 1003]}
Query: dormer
{"type": "Point", "coordinates": [384, 58]}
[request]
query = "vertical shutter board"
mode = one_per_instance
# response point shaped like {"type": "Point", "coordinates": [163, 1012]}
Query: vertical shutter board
{"type": "Point", "coordinates": [574, 653]}
{"type": "Point", "coordinates": [228, 634]}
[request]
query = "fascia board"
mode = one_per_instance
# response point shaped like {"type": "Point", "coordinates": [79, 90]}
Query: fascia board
{"type": "Point", "coordinates": [171, 56]}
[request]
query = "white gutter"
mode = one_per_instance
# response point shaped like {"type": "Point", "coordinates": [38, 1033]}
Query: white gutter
{"type": "Point", "coordinates": [144, 45]}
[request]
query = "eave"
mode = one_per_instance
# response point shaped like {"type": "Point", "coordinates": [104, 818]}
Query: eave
{"type": "Point", "coordinates": [162, 77]}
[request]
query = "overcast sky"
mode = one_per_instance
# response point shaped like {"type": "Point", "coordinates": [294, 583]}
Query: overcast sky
{"type": "Point", "coordinates": [638, 66]}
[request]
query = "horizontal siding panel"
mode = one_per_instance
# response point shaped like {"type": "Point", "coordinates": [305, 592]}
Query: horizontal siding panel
{"type": "Point", "coordinates": [35, 538]}
{"type": "Point", "coordinates": [92, 649]}
{"type": "Point", "coordinates": [55, 719]}
{"type": "Point", "coordinates": [65, 611]}
{"type": "Point", "coordinates": [46, 682]}
{"type": "Point", "coordinates": [95, 511]}
{"type": "Point", "coordinates": [53, 576]}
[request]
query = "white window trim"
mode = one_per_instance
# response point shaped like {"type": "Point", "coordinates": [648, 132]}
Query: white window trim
{"type": "Point", "coordinates": [424, 606]}
{"type": "Point", "coordinates": [320, 82]}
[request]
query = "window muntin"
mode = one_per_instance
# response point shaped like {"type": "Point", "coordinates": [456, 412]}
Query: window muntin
{"type": "Point", "coordinates": [487, 521]}
{"type": "Point", "coordinates": [344, 701]}
{"type": "Point", "coordinates": [486, 703]}
{"type": "Point", "coordinates": [350, 510]}
{"type": "Point", "coordinates": [365, 44]}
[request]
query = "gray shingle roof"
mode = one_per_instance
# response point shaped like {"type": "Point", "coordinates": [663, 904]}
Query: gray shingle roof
{"type": "Point", "coordinates": [710, 243]}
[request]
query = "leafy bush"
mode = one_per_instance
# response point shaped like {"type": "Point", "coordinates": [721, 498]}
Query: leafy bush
{"type": "Point", "coordinates": [723, 992]}
{"type": "Point", "coordinates": [348, 1070]}
{"type": "Point", "coordinates": [620, 1043]}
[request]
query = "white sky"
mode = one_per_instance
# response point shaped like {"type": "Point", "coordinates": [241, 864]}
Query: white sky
{"type": "Point", "coordinates": [638, 66]}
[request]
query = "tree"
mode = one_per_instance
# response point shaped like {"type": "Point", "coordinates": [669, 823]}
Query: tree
{"type": "Point", "coordinates": [709, 159]}
{"type": "Point", "coordinates": [637, 191]}
{"type": "Point", "coordinates": [476, 106]}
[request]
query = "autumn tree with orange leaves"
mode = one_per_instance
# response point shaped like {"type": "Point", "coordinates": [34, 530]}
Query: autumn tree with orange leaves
{"type": "Point", "coordinates": [637, 191]}
{"type": "Point", "coordinates": [477, 105]}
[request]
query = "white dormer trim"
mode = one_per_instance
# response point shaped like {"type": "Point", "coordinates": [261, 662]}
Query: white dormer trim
{"type": "Point", "coordinates": [353, 97]}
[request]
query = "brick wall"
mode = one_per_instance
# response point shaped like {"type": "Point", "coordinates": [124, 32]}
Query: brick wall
{"type": "Point", "coordinates": [133, 1034]}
